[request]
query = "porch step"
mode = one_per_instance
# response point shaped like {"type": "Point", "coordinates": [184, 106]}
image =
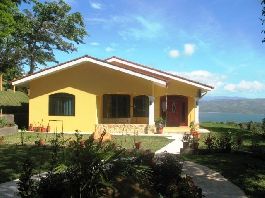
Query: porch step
{"type": "Point", "coordinates": [182, 129]}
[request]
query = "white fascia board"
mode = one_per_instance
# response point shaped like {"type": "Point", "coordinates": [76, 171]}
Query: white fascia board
{"type": "Point", "coordinates": [82, 60]}
{"type": "Point", "coordinates": [160, 73]}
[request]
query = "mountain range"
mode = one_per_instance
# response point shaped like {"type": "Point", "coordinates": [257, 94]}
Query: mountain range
{"type": "Point", "coordinates": [226, 104]}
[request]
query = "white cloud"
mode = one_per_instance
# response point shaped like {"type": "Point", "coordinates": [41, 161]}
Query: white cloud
{"type": "Point", "coordinates": [189, 49]}
{"type": "Point", "coordinates": [249, 86]}
{"type": "Point", "coordinates": [94, 43]}
{"type": "Point", "coordinates": [96, 5]}
{"type": "Point", "coordinates": [174, 53]}
{"type": "Point", "coordinates": [109, 49]}
{"type": "Point", "coordinates": [203, 76]}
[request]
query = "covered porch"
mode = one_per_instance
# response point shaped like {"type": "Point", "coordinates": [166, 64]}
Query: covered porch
{"type": "Point", "coordinates": [136, 114]}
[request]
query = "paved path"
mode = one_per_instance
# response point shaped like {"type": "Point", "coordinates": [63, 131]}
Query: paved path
{"type": "Point", "coordinates": [213, 184]}
{"type": "Point", "coordinates": [8, 189]}
{"type": "Point", "coordinates": [174, 146]}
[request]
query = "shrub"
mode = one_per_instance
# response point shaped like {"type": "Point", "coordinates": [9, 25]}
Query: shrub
{"type": "Point", "coordinates": [168, 180]}
{"type": "Point", "coordinates": [97, 169]}
{"type": "Point", "coordinates": [26, 185]}
{"type": "Point", "coordinates": [237, 141]}
{"type": "Point", "coordinates": [209, 141]}
{"type": "Point", "coordinates": [167, 170]}
{"type": "Point", "coordinates": [224, 142]}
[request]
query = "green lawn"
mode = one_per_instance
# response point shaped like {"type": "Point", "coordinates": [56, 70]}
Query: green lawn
{"type": "Point", "coordinates": [12, 153]}
{"type": "Point", "coordinates": [242, 169]}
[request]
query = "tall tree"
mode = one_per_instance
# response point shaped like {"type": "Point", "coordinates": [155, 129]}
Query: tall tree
{"type": "Point", "coordinates": [47, 27]}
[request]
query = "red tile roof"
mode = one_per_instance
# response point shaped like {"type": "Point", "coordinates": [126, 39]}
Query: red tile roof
{"type": "Point", "coordinates": [150, 73]}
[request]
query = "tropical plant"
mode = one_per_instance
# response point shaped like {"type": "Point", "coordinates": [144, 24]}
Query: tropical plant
{"type": "Point", "coordinates": [160, 122]}
{"type": "Point", "coordinates": [209, 141]}
{"type": "Point", "coordinates": [26, 185]}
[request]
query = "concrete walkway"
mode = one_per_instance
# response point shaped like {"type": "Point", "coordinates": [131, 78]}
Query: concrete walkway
{"type": "Point", "coordinates": [174, 146]}
{"type": "Point", "coordinates": [9, 189]}
{"type": "Point", "coordinates": [212, 183]}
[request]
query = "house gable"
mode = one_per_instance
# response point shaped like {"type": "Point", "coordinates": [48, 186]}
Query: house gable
{"type": "Point", "coordinates": [78, 61]}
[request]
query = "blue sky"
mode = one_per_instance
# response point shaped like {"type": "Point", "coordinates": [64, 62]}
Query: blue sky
{"type": "Point", "coordinates": [218, 42]}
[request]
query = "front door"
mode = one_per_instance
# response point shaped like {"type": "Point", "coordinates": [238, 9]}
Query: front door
{"type": "Point", "coordinates": [176, 111]}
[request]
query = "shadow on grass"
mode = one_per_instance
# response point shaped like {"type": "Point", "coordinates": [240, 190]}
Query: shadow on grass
{"type": "Point", "coordinates": [12, 157]}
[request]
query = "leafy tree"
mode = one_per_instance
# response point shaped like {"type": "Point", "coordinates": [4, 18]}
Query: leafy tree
{"type": "Point", "coordinates": [7, 22]}
{"type": "Point", "coordinates": [47, 27]}
{"type": "Point", "coordinates": [35, 33]}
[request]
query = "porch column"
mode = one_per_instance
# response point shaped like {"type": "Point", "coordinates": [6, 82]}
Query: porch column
{"type": "Point", "coordinates": [196, 120]}
{"type": "Point", "coordinates": [151, 110]}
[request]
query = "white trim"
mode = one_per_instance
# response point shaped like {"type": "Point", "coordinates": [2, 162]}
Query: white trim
{"type": "Point", "coordinates": [151, 117]}
{"type": "Point", "coordinates": [82, 60]}
{"type": "Point", "coordinates": [196, 117]}
{"type": "Point", "coordinates": [157, 72]}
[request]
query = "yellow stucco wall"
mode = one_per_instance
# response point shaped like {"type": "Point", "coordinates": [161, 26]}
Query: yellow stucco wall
{"type": "Point", "coordinates": [88, 82]}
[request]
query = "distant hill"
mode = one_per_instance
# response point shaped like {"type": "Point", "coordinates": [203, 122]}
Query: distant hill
{"type": "Point", "coordinates": [233, 105]}
{"type": "Point", "coordinates": [208, 98]}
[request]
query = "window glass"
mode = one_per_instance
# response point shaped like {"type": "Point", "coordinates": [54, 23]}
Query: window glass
{"type": "Point", "coordinates": [61, 104]}
{"type": "Point", "coordinates": [141, 106]}
{"type": "Point", "coordinates": [116, 106]}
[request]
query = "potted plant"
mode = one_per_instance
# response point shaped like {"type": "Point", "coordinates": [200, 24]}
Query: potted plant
{"type": "Point", "coordinates": [138, 145]}
{"type": "Point", "coordinates": [40, 142]}
{"type": "Point", "coordinates": [194, 127]}
{"type": "Point", "coordinates": [195, 143]}
{"type": "Point", "coordinates": [48, 128]}
{"type": "Point", "coordinates": [30, 127]}
{"type": "Point", "coordinates": [186, 140]}
{"type": "Point", "coordinates": [159, 123]}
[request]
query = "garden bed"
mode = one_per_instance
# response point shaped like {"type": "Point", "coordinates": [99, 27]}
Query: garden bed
{"type": "Point", "coordinates": [13, 153]}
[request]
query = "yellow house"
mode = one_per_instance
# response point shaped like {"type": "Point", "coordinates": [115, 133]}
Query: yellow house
{"type": "Point", "coordinates": [89, 94]}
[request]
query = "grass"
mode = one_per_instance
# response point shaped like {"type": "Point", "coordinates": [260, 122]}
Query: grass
{"type": "Point", "coordinates": [243, 169]}
{"type": "Point", "coordinates": [12, 153]}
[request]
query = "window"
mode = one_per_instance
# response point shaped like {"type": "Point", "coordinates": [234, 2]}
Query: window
{"type": "Point", "coordinates": [141, 106]}
{"type": "Point", "coordinates": [116, 106]}
{"type": "Point", "coordinates": [61, 104]}
{"type": "Point", "coordinates": [183, 112]}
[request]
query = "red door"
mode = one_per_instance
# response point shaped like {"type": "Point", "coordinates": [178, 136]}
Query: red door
{"type": "Point", "coordinates": [176, 111]}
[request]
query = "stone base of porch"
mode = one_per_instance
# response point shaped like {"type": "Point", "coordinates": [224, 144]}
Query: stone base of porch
{"type": "Point", "coordinates": [132, 129]}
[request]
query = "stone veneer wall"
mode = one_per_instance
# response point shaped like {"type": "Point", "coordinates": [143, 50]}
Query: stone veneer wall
{"type": "Point", "coordinates": [133, 129]}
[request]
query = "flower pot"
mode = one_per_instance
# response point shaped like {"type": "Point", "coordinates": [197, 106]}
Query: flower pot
{"type": "Point", "coordinates": [159, 130]}
{"type": "Point", "coordinates": [195, 145]}
{"type": "Point", "coordinates": [41, 142]}
{"type": "Point", "coordinates": [82, 143]}
{"type": "Point", "coordinates": [48, 129]}
{"type": "Point", "coordinates": [43, 129]}
{"type": "Point", "coordinates": [185, 145]}
{"type": "Point", "coordinates": [137, 145]}
{"type": "Point", "coordinates": [30, 128]}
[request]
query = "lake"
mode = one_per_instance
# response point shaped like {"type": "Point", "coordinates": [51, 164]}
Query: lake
{"type": "Point", "coordinates": [229, 117]}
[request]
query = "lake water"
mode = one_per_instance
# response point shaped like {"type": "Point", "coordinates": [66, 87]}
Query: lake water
{"type": "Point", "coordinates": [229, 117]}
